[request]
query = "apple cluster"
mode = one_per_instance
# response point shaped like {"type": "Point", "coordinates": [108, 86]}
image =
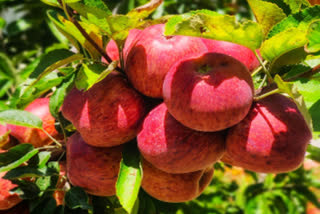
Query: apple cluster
{"type": "Point", "coordinates": [188, 103]}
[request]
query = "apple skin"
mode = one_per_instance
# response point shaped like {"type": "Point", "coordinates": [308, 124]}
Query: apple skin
{"type": "Point", "coordinates": [7, 200]}
{"type": "Point", "coordinates": [271, 139]}
{"type": "Point", "coordinates": [174, 188]}
{"type": "Point", "coordinates": [21, 208]}
{"type": "Point", "coordinates": [153, 54]}
{"type": "Point", "coordinates": [239, 52]}
{"type": "Point", "coordinates": [210, 92]}
{"type": "Point", "coordinates": [112, 48]}
{"type": "Point", "coordinates": [108, 114]}
{"type": "Point", "coordinates": [174, 148]}
{"type": "Point", "coordinates": [92, 168]}
{"type": "Point", "coordinates": [40, 108]}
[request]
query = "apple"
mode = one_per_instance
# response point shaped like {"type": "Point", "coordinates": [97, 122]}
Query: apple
{"type": "Point", "coordinates": [40, 108]}
{"type": "Point", "coordinates": [108, 114]}
{"type": "Point", "coordinates": [112, 48]}
{"type": "Point", "coordinates": [7, 199]}
{"type": "Point", "coordinates": [271, 139]}
{"type": "Point", "coordinates": [92, 168]}
{"type": "Point", "coordinates": [21, 208]}
{"type": "Point", "coordinates": [174, 187]}
{"type": "Point", "coordinates": [239, 52]}
{"type": "Point", "coordinates": [152, 55]}
{"type": "Point", "coordinates": [174, 148]}
{"type": "Point", "coordinates": [209, 92]}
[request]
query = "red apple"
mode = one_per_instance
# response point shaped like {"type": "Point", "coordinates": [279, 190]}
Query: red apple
{"type": "Point", "coordinates": [40, 108]}
{"type": "Point", "coordinates": [210, 92]}
{"type": "Point", "coordinates": [92, 168]}
{"type": "Point", "coordinates": [151, 57]}
{"type": "Point", "coordinates": [174, 148]}
{"type": "Point", "coordinates": [239, 52]}
{"type": "Point", "coordinates": [272, 138]}
{"type": "Point", "coordinates": [108, 114]}
{"type": "Point", "coordinates": [7, 199]}
{"type": "Point", "coordinates": [112, 48]}
{"type": "Point", "coordinates": [174, 187]}
{"type": "Point", "coordinates": [21, 208]}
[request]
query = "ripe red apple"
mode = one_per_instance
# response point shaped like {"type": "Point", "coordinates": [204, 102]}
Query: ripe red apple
{"type": "Point", "coordinates": [151, 57]}
{"type": "Point", "coordinates": [112, 48]}
{"type": "Point", "coordinates": [40, 108]}
{"type": "Point", "coordinates": [272, 138]}
{"type": "Point", "coordinates": [174, 187]}
{"type": "Point", "coordinates": [108, 114]}
{"type": "Point", "coordinates": [92, 168]}
{"type": "Point", "coordinates": [239, 52]}
{"type": "Point", "coordinates": [210, 92]}
{"type": "Point", "coordinates": [174, 148]}
{"type": "Point", "coordinates": [7, 200]}
{"type": "Point", "coordinates": [21, 208]}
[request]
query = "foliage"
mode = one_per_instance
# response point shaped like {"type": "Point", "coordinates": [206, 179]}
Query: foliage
{"type": "Point", "coordinates": [46, 49]}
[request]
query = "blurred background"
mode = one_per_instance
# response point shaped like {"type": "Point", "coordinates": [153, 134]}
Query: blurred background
{"type": "Point", "coordinates": [26, 33]}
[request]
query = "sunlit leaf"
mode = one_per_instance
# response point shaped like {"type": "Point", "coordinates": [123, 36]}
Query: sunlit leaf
{"type": "Point", "coordinates": [267, 14]}
{"type": "Point", "coordinates": [215, 26]}
{"type": "Point", "coordinates": [293, 92]}
{"type": "Point", "coordinates": [20, 118]}
{"type": "Point", "coordinates": [129, 179]}
{"type": "Point", "coordinates": [313, 37]}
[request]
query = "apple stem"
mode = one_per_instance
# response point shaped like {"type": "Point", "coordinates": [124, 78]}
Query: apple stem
{"type": "Point", "coordinates": [263, 81]}
{"type": "Point", "coordinates": [275, 91]}
{"type": "Point", "coordinates": [270, 79]}
{"type": "Point", "coordinates": [52, 138]}
{"type": "Point", "coordinates": [256, 71]}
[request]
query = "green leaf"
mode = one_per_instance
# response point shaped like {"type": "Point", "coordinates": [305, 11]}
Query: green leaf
{"type": "Point", "coordinates": [6, 67]}
{"type": "Point", "coordinates": [24, 172]}
{"type": "Point", "coordinates": [25, 94]}
{"type": "Point", "coordinates": [310, 89]}
{"type": "Point", "coordinates": [309, 195]}
{"type": "Point", "coordinates": [92, 74]}
{"type": "Point", "coordinates": [215, 26]}
{"type": "Point", "coordinates": [88, 75]}
{"type": "Point", "coordinates": [46, 205]}
{"type": "Point", "coordinates": [267, 14]}
{"type": "Point", "coordinates": [295, 5]}
{"type": "Point", "coordinates": [2, 23]}
{"type": "Point", "coordinates": [129, 179]}
{"type": "Point", "coordinates": [313, 153]}
{"type": "Point", "coordinates": [20, 118]}
{"type": "Point", "coordinates": [282, 43]}
{"type": "Point", "coordinates": [57, 98]}
{"type": "Point", "coordinates": [52, 61]}
{"type": "Point", "coordinates": [40, 160]}
{"type": "Point", "coordinates": [300, 20]}
{"type": "Point", "coordinates": [293, 92]}
{"type": "Point", "coordinates": [95, 7]}
{"type": "Point", "coordinates": [73, 34]}
{"type": "Point", "coordinates": [313, 37]}
{"type": "Point", "coordinates": [16, 156]}
{"type": "Point", "coordinates": [76, 197]}
{"type": "Point", "coordinates": [26, 189]}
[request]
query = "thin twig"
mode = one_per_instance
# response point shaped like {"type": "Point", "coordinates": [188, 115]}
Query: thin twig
{"type": "Point", "coordinates": [275, 91]}
{"type": "Point", "coordinates": [270, 79]}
